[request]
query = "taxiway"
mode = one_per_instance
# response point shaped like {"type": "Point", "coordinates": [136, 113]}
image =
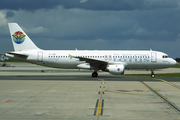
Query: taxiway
{"type": "Point", "coordinates": [27, 92]}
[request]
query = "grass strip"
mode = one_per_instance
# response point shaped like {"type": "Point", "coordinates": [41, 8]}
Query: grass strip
{"type": "Point", "coordinates": [156, 75]}
{"type": "Point", "coordinates": [177, 66]}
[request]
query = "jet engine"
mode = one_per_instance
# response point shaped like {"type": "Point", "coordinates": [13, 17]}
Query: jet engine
{"type": "Point", "coordinates": [116, 69]}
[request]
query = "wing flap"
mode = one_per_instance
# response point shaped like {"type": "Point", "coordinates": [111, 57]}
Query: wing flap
{"type": "Point", "coordinates": [93, 62]}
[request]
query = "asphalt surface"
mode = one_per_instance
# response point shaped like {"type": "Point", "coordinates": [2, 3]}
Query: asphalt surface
{"type": "Point", "coordinates": [27, 93]}
{"type": "Point", "coordinates": [86, 78]}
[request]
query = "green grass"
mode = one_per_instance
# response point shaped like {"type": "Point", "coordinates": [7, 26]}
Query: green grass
{"type": "Point", "coordinates": [156, 75]}
{"type": "Point", "coordinates": [177, 66]}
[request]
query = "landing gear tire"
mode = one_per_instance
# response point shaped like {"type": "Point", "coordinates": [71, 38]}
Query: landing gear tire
{"type": "Point", "coordinates": [153, 76]}
{"type": "Point", "coordinates": [152, 73]}
{"type": "Point", "coordinates": [94, 74]}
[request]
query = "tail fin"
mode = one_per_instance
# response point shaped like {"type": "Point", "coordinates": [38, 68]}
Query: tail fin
{"type": "Point", "coordinates": [20, 39]}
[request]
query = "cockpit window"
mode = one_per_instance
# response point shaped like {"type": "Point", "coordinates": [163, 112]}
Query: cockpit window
{"type": "Point", "coordinates": [164, 56]}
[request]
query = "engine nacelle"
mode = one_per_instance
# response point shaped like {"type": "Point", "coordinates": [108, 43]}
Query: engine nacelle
{"type": "Point", "coordinates": [116, 69]}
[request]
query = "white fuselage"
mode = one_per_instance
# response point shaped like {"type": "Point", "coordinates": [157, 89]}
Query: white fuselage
{"type": "Point", "coordinates": [130, 59]}
{"type": "Point", "coordinates": [114, 62]}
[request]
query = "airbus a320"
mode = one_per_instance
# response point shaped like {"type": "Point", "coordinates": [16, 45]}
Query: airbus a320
{"type": "Point", "coordinates": [113, 61]}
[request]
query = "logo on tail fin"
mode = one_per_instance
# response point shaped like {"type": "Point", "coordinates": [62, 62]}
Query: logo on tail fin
{"type": "Point", "coordinates": [18, 37]}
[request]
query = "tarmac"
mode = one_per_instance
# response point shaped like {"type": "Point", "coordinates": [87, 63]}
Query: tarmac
{"type": "Point", "coordinates": [31, 92]}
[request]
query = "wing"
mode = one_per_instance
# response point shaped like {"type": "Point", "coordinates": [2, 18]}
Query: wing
{"type": "Point", "coordinates": [99, 64]}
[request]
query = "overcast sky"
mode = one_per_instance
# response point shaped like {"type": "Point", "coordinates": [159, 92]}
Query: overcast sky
{"type": "Point", "coordinates": [95, 24]}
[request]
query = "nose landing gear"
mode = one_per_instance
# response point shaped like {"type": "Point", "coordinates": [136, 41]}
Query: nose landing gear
{"type": "Point", "coordinates": [152, 73]}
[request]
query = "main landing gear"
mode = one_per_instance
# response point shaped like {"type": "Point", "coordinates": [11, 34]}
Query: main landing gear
{"type": "Point", "coordinates": [152, 73]}
{"type": "Point", "coordinates": [94, 74]}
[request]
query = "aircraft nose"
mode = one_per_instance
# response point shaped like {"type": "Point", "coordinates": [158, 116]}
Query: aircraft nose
{"type": "Point", "coordinates": [173, 62]}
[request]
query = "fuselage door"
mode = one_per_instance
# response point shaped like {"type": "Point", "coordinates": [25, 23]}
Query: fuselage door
{"type": "Point", "coordinates": [153, 57]}
{"type": "Point", "coordinates": [40, 57]}
{"type": "Point", "coordinates": [110, 57]}
{"type": "Point", "coordinates": [106, 57]}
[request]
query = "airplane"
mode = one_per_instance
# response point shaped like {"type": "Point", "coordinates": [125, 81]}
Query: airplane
{"type": "Point", "coordinates": [113, 61]}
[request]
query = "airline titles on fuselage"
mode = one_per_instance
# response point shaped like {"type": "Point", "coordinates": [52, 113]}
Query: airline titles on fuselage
{"type": "Point", "coordinates": [114, 57]}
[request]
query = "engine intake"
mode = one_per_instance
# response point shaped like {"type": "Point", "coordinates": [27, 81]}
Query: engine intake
{"type": "Point", "coordinates": [116, 69]}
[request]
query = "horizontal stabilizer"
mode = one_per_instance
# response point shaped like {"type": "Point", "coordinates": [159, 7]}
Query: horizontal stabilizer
{"type": "Point", "coordinates": [19, 55]}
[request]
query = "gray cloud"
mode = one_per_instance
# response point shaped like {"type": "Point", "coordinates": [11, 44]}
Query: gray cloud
{"type": "Point", "coordinates": [68, 24]}
{"type": "Point", "coordinates": [82, 1]}
{"type": "Point", "coordinates": [115, 5]}
{"type": "Point", "coordinates": [118, 5]}
{"type": "Point", "coordinates": [82, 24]}
{"type": "Point", "coordinates": [27, 4]}
{"type": "Point", "coordinates": [10, 14]}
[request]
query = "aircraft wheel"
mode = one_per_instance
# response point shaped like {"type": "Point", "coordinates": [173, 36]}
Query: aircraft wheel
{"type": "Point", "coordinates": [153, 76]}
{"type": "Point", "coordinates": [94, 74]}
{"type": "Point", "coordinates": [152, 73]}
